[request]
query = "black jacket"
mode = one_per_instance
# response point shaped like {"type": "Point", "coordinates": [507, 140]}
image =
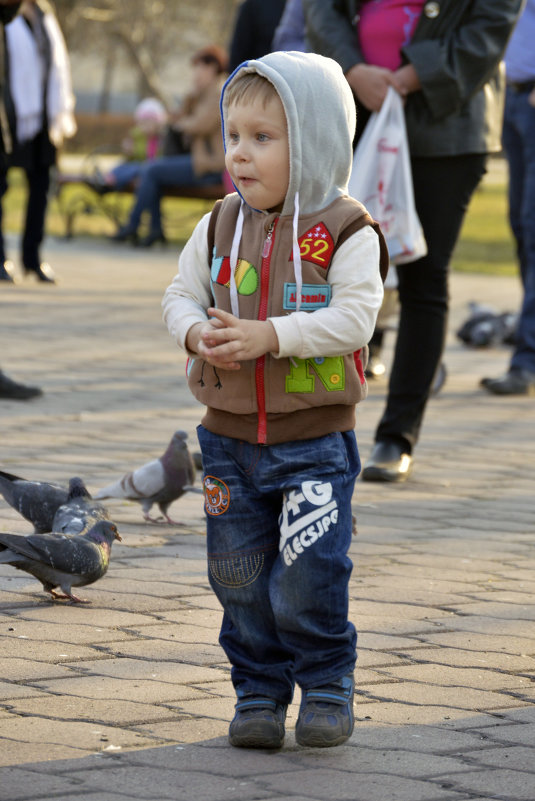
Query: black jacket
{"type": "Point", "coordinates": [254, 27]}
{"type": "Point", "coordinates": [456, 50]}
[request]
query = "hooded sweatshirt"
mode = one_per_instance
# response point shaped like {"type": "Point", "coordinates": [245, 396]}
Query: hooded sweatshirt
{"type": "Point", "coordinates": [314, 271]}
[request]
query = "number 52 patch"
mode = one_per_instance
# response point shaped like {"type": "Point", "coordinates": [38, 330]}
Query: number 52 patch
{"type": "Point", "coordinates": [316, 245]}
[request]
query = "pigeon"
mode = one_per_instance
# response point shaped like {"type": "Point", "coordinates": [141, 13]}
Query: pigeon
{"type": "Point", "coordinates": [36, 501]}
{"type": "Point", "coordinates": [160, 481]}
{"type": "Point", "coordinates": [80, 511]}
{"type": "Point", "coordinates": [62, 560]}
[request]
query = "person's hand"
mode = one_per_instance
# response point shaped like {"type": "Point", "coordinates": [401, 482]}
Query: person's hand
{"type": "Point", "coordinates": [225, 340]}
{"type": "Point", "coordinates": [370, 84]}
{"type": "Point", "coordinates": [406, 80]}
{"type": "Point", "coordinates": [531, 98]}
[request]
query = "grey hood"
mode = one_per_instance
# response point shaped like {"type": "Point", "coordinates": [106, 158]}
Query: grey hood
{"type": "Point", "coordinates": [320, 112]}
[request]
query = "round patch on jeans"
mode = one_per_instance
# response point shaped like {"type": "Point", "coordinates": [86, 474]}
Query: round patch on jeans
{"type": "Point", "coordinates": [216, 496]}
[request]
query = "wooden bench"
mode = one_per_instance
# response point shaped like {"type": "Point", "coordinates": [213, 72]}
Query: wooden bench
{"type": "Point", "coordinates": [89, 201]}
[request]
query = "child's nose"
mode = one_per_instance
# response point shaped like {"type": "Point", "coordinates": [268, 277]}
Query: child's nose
{"type": "Point", "coordinates": [240, 152]}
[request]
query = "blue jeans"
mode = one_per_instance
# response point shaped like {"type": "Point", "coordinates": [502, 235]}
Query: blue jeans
{"type": "Point", "coordinates": [157, 174]}
{"type": "Point", "coordinates": [126, 172]}
{"type": "Point", "coordinates": [519, 146]}
{"type": "Point", "coordinates": [278, 532]}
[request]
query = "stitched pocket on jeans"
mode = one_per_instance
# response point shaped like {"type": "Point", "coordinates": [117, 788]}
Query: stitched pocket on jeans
{"type": "Point", "coordinates": [236, 571]}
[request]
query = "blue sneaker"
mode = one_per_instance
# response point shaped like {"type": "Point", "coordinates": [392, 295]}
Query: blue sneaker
{"type": "Point", "coordinates": [326, 714]}
{"type": "Point", "coordinates": [258, 723]}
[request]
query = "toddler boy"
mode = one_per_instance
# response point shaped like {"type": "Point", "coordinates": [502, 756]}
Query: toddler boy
{"type": "Point", "coordinates": [276, 297]}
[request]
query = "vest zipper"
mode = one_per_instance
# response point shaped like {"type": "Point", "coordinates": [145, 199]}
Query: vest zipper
{"type": "Point", "coordinates": [262, 315]}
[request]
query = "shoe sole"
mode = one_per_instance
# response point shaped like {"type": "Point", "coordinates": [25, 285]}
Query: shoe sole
{"type": "Point", "coordinates": [256, 737]}
{"type": "Point", "coordinates": [318, 740]}
{"type": "Point", "coordinates": [380, 474]}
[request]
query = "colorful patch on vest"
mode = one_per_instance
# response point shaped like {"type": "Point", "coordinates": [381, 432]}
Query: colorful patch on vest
{"type": "Point", "coordinates": [303, 373]}
{"type": "Point", "coordinates": [313, 296]}
{"type": "Point", "coordinates": [246, 274]}
{"type": "Point", "coordinates": [316, 245]}
{"type": "Point", "coordinates": [216, 496]}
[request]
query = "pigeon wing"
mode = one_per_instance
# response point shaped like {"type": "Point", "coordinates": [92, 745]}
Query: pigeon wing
{"type": "Point", "coordinates": [64, 553]}
{"type": "Point", "coordinates": [78, 516]}
{"type": "Point", "coordinates": [142, 483]}
{"type": "Point", "coordinates": [36, 501]}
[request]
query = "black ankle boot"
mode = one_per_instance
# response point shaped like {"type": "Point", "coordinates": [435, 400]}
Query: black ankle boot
{"type": "Point", "coordinates": [125, 234]}
{"type": "Point", "coordinates": [152, 238]}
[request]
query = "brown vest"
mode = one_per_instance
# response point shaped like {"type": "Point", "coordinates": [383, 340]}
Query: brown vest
{"type": "Point", "coordinates": [277, 400]}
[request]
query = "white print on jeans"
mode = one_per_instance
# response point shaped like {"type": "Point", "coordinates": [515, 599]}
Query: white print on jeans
{"type": "Point", "coordinates": [300, 532]}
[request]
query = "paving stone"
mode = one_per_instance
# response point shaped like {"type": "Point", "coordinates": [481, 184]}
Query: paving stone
{"type": "Point", "coordinates": [456, 677]}
{"type": "Point", "coordinates": [120, 713]}
{"type": "Point", "coordinates": [499, 784]}
{"type": "Point", "coordinates": [22, 784]}
{"type": "Point", "coordinates": [369, 787]}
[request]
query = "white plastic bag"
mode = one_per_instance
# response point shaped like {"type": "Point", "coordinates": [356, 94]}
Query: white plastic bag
{"type": "Point", "coordinates": [381, 179]}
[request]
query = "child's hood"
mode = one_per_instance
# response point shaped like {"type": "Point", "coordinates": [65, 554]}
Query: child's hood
{"type": "Point", "coordinates": [320, 112]}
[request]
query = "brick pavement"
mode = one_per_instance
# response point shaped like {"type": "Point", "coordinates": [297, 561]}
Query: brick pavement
{"type": "Point", "coordinates": [130, 698]}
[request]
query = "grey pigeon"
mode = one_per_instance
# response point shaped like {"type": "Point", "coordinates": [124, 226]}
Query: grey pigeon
{"type": "Point", "coordinates": [160, 481]}
{"type": "Point", "coordinates": [36, 501]}
{"type": "Point", "coordinates": [62, 560]}
{"type": "Point", "coordinates": [80, 512]}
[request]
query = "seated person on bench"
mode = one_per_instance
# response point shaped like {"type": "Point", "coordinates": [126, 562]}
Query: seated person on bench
{"type": "Point", "coordinates": [144, 142]}
{"type": "Point", "coordinates": [199, 121]}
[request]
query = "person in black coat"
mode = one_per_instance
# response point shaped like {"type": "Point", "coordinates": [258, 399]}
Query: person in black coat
{"type": "Point", "coordinates": [254, 28]}
{"type": "Point", "coordinates": [9, 389]}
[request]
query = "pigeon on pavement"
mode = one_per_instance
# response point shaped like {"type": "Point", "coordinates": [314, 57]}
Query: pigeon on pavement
{"type": "Point", "coordinates": [80, 512]}
{"type": "Point", "coordinates": [37, 501]}
{"type": "Point", "coordinates": [62, 560]}
{"type": "Point", "coordinates": [160, 481]}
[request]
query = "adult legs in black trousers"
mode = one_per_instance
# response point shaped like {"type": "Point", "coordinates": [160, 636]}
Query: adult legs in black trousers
{"type": "Point", "coordinates": [443, 187]}
{"type": "Point", "coordinates": [38, 177]}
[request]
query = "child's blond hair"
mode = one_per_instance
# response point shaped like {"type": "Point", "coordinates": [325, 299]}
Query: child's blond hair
{"type": "Point", "coordinates": [248, 87]}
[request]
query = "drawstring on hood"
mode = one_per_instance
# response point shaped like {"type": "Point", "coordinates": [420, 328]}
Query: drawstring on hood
{"type": "Point", "coordinates": [236, 239]}
{"type": "Point", "coordinates": [296, 253]}
{"type": "Point", "coordinates": [315, 180]}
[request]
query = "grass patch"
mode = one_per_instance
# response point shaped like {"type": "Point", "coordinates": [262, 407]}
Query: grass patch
{"type": "Point", "coordinates": [485, 245]}
{"type": "Point", "coordinates": [96, 216]}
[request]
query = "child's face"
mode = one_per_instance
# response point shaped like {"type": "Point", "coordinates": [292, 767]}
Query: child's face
{"type": "Point", "coordinates": [150, 127]}
{"type": "Point", "coordinates": [258, 153]}
{"type": "Point", "coordinates": [203, 75]}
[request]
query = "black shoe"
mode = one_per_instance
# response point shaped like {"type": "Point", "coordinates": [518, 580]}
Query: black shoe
{"type": "Point", "coordinates": [152, 238]}
{"type": "Point", "coordinates": [125, 234]}
{"type": "Point", "coordinates": [7, 271]}
{"type": "Point", "coordinates": [258, 723]}
{"type": "Point", "coordinates": [43, 272]}
{"type": "Point", "coordinates": [98, 183]}
{"type": "Point", "coordinates": [388, 462]}
{"type": "Point", "coordinates": [375, 368]}
{"type": "Point", "coordinates": [515, 382]}
{"type": "Point", "coordinates": [326, 714]}
{"type": "Point", "coordinates": [10, 390]}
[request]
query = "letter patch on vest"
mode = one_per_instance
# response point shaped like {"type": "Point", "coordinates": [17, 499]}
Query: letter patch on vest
{"type": "Point", "coordinates": [329, 369]}
{"type": "Point", "coordinates": [313, 296]}
{"type": "Point", "coordinates": [316, 246]}
{"type": "Point", "coordinates": [246, 274]}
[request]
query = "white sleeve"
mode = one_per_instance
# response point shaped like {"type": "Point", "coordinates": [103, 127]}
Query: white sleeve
{"type": "Point", "coordinates": [189, 295]}
{"type": "Point", "coordinates": [347, 323]}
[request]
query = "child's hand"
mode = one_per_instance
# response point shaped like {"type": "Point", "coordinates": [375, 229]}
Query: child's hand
{"type": "Point", "coordinates": [226, 340]}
